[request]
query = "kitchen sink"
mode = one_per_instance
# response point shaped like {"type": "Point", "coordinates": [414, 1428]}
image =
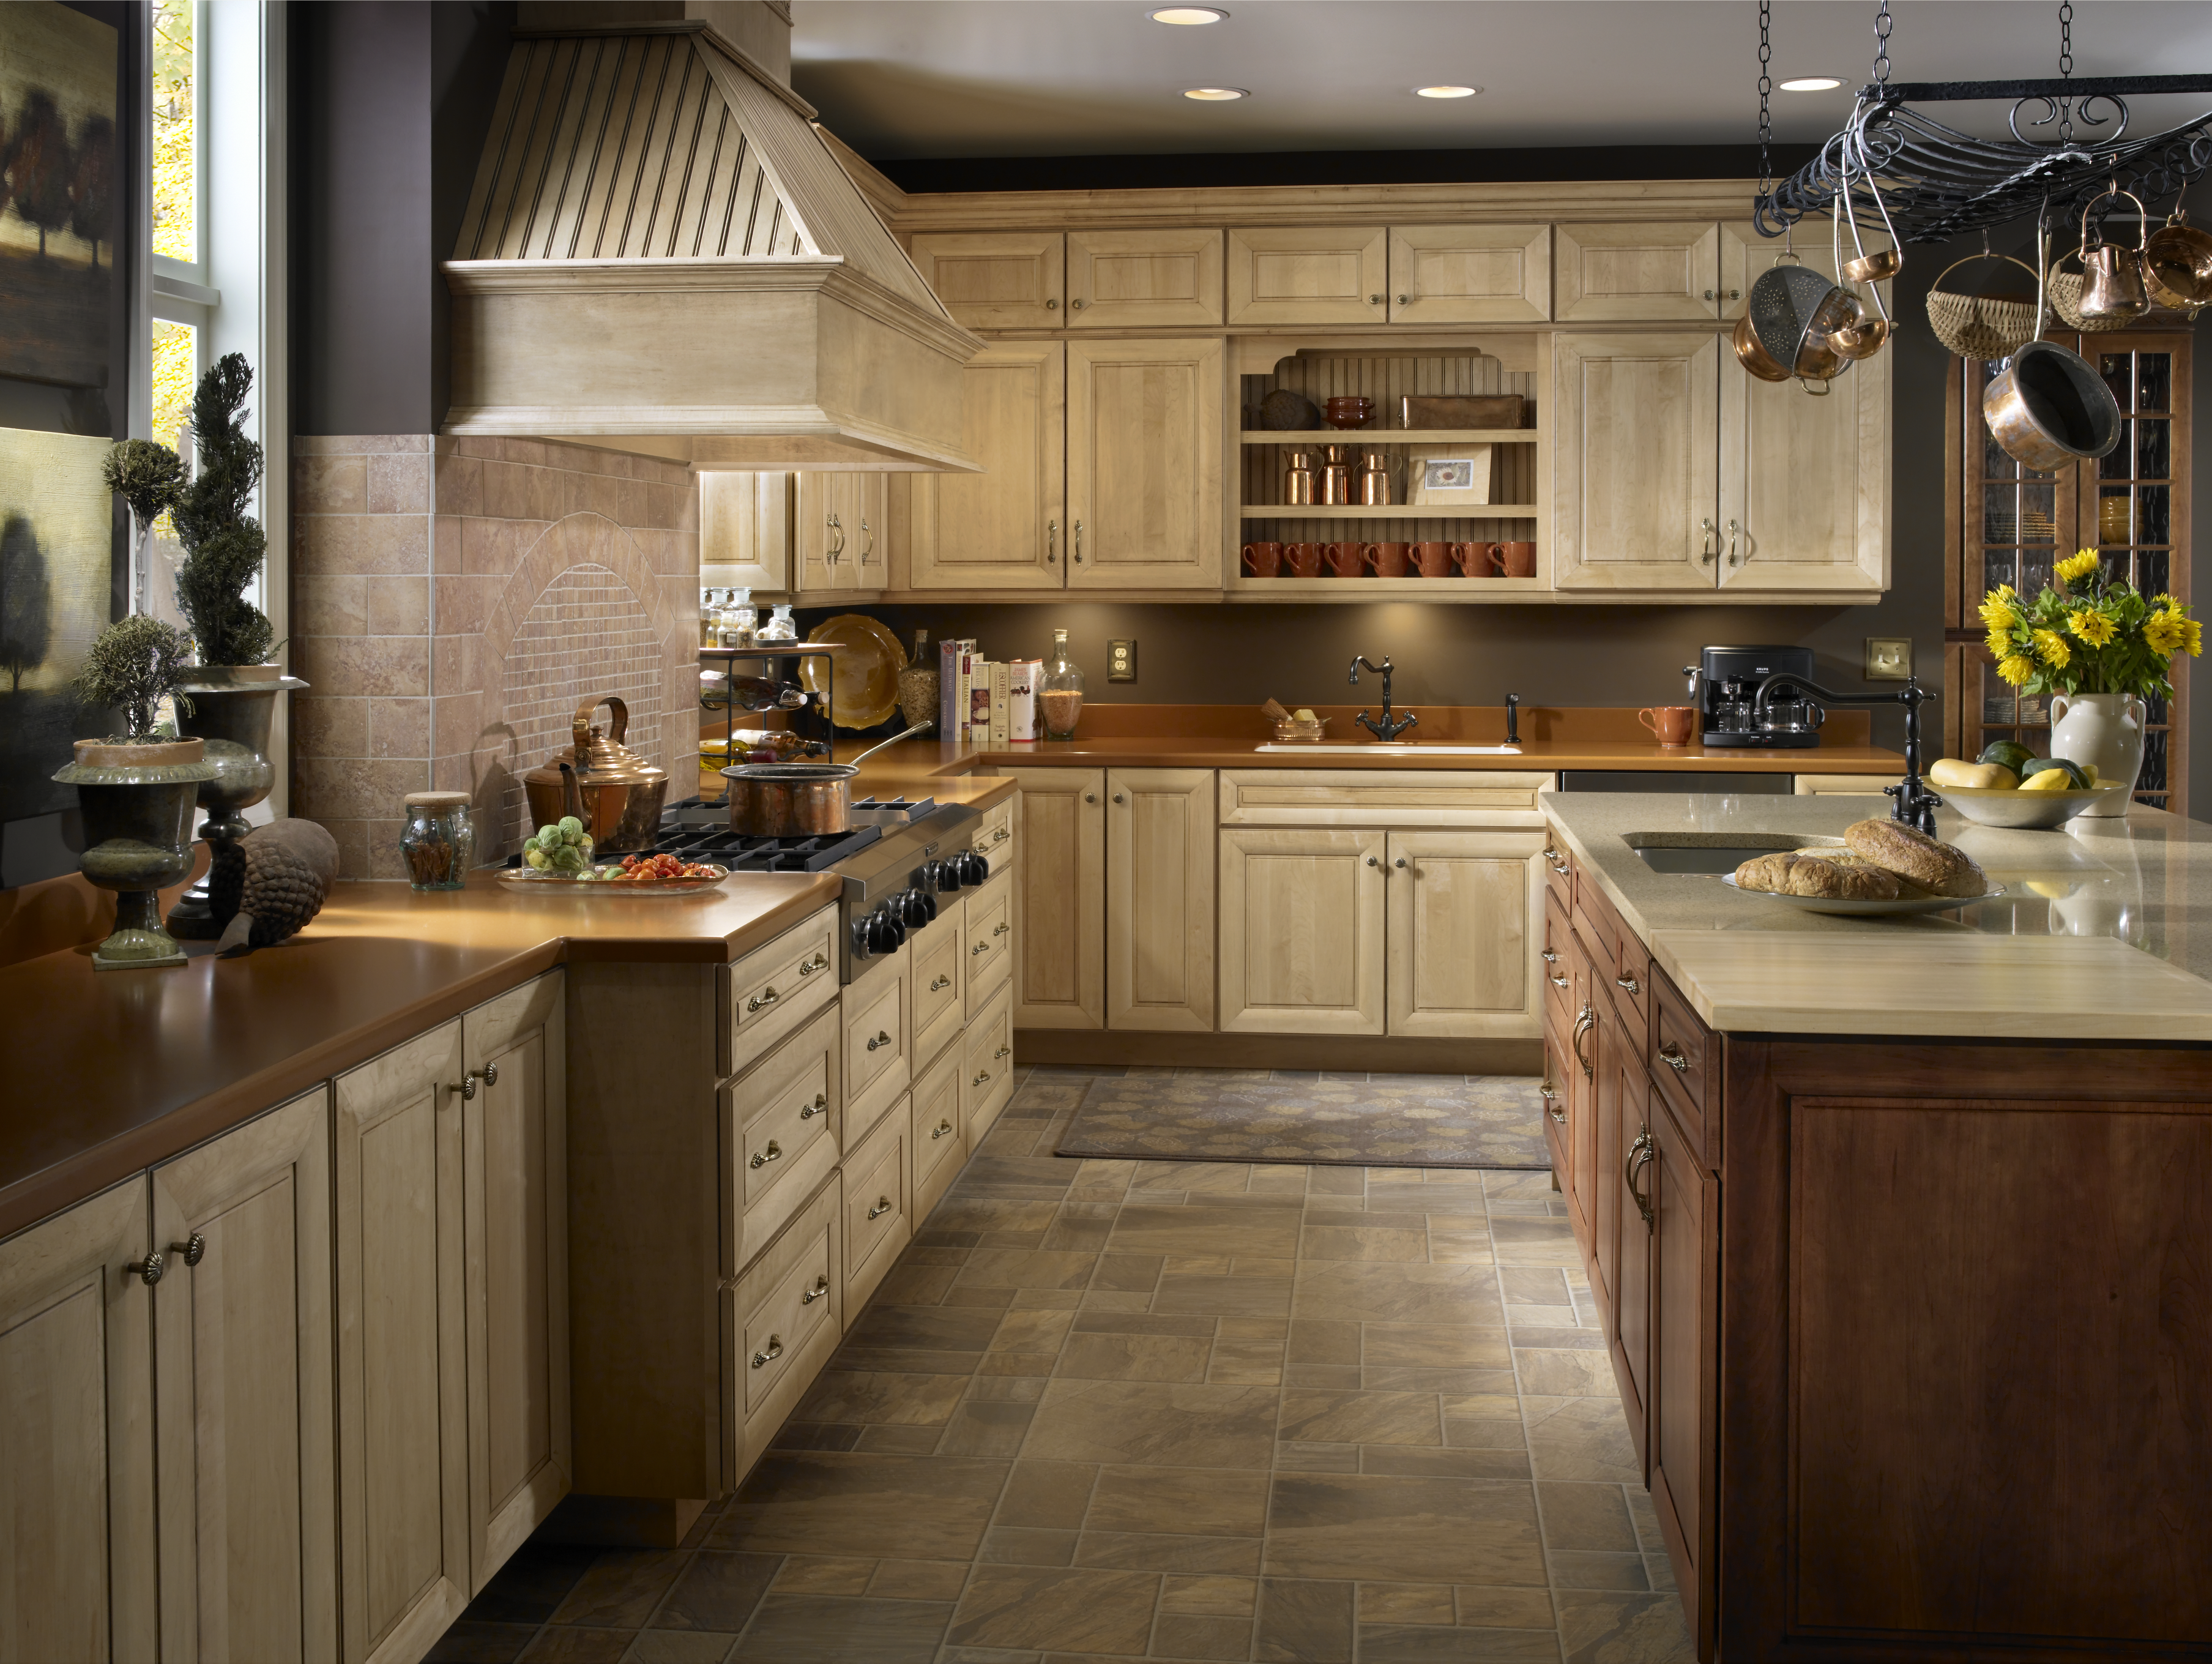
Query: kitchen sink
{"type": "Point", "coordinates": [1713, 852]}
{"type": "Point", "coordinates": [1376, 748]}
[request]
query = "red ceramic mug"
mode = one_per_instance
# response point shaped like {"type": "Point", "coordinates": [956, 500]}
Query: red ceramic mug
{"type": "Point", "coordinates": [1386, 559]}
{"type": "Point", "coordinates": [1345, 560]}
{"type": "Point", "coordinates": [1263, 559]}
{"type": "Point", "coordinates": [1433, 559]}
{"type": "Point", "coordinates": [1672, 725]}
{"type": "Point", "coordinates": [1511, 560]}
{"type": "Point", "coordinates": [1302, 560]}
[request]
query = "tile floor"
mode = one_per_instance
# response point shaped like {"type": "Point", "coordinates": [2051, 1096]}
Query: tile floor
{"type": "Point", "coordinates": [1164, 1410]}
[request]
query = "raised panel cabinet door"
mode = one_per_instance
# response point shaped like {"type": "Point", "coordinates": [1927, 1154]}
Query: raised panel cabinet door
{"type": "Point", "coordinates": [245, 1424]}
{"type": "Point", "coordinates": [76, 1437]}
{"type": "Point", "coordinates": [1465, 929]}
{"type": "Point", "coordinates": [1684, 1342]}
{"type": "Point", "coordinates": [1602, 1143]}
{"type": "Point", "coordinates": [1582, 1110]}
{"type": "Point", "coordinates": [824, 532]}
{"type": "Point", "coordinates": [996, 280]}
{"type": "Point", "coordinates": [1143, 279]}
{"type": "Point", "coordinates": [870, 517]}
{"type": "Point", "coordinates": [402, 1348]}
{"type": "Point", "coordinates": [1656, 271]}
{"type": "Point", "coordinates": [1635, 488]}
{"type": "Point", "coordinates": [744, 529]}
{"type": "Point", "coordinates": [1059, 898]}
{"type": "Point", "coordinates": [1006, 527]}
{"type": "Point", "coordinates": [1626, 1094]}
{"type": "Point", "coordinates": [1302, 924]}
{"type": "Point", "coordinates": [515, 1154]}
{"type": "Point", "coordinates": [1145, 463]}
{"type": "Point", "coordinates": [1308, 274]}
{"type": "Point", "coordinates": [1470, 274]}
{"type": "Point", "coordinates": [1159, 899]}
{"type": "Point", "coordinates": [1805, 481]}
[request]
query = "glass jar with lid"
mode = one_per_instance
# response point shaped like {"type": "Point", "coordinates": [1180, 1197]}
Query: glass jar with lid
{"type": "Point", "coordinates": [1060, 691]}
{"type": "Point", "coordinates": [439, 842]}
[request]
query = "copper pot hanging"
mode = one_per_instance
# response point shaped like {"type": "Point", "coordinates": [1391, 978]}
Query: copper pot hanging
{"type": "Point", "coordinates": [616, 793]}
{"type": "Point", "coordinates": [2177, 260]}
{"type": "Point", "coordinates": [2112, 291]}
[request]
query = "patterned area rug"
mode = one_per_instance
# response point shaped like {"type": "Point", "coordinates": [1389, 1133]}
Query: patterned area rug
{"type": "Point", "coordinates": [1381, 1120]}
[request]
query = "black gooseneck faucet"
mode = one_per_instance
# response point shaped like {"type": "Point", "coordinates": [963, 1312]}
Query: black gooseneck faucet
{"type": "Point", "coordinates": [1915, 805]}
{"type": "Point", "coordinates": [1513, 719]}
{"type": "Point", "coordinates": [1390, 727]}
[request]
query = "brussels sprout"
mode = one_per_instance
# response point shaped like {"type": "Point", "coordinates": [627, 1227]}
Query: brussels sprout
{"type": "Point", "coordinates": [571, 828]}
{"type": "Point", "coordinates": [568, 860]}
{"type": "Point", "coordinates": [548, 836]}
{"type": "Point", "coordinates": [536, 859]}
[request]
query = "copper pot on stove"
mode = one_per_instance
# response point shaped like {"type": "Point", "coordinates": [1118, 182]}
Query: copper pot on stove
{"type": "Point", "coordinates": [616, 793]}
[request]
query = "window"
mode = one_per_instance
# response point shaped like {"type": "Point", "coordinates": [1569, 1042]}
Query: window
{"type": "Point", "coordinates": [174, 328]}
{"type": "Point", "coordinates": [2011, 522]}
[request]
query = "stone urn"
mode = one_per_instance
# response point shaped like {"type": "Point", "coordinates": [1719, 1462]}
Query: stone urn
{"type": "Point", "coordinates": [232, 708]}
{"type": "Point", "coordinates": [2106, 731]}
{"type": "Point", "coordinates": [137, 803]}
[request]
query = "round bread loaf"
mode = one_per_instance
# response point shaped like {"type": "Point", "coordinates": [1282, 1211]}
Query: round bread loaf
{"type": "Point", "coordinates": [1788, 872]}
{"type": "Point", "coordinates": [1919, 859]}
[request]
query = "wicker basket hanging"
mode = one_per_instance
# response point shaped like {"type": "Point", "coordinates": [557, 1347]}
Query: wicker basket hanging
{"type": "Point", "coordinates": [1974, 327]}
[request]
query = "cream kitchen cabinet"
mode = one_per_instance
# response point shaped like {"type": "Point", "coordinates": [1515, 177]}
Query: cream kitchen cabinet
{"type": "Point", "coordinates": [1161, 279]}
{"type": "Point", "coordinates": [1302, 920]}
{"type": "Point", "coordinates": [1308, 274]}
{"type": "Point", "coordinates": [1006, 527]}
{"type": "Point", "coordinates": [1145, 464]}
{"type": "Point", "coordinates": [1059, 898]}
{"type": "Point", "coordinates": [1160, 899]}
{"type": "Point", "coordinates": [992, 280]}
{"type": "Point", "coordinates": [1636, 468]}
{"type": "Point", "coordinates": [817, 538]}
{"type": "Point", "coordinates": [1465, 917]}
{"type": "Point", "coordinates": [840, 535]}
{"type": "Point", "coordinates": [1654, 271]}
{"type": "Point", "coordinates": [1470, 274]}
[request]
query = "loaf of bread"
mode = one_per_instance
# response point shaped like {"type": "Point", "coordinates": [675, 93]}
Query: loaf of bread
{"type": "Point", "coordinates": [1792, 873]}
{"type": "Point", "coordinates": [1920, 860]}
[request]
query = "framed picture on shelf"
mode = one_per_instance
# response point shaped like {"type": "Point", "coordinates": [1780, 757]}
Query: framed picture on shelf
{"type": "Point", "coordinates": [1448, 476]}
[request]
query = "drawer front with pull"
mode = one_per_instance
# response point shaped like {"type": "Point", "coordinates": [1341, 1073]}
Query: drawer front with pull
{"type": "Point", "coordinates": [988, 954]}
{"type": "Point", "coordinates": [1557, 957]}
{"type": "Point", "coordinates": [1429, 799]}
{"type": "Point", "coordinates": [776, 988]}
{"type": "Point", "coordinates": [876, 1223]}
{"type": "Point", "coordinates": [1559, 870]}
{"type": "Point", "coordinates": [877, 1066]}
{"type": "Point", "coordinates": [994, 835]}
{"type": "Point", "coordinates": [783, 1303]}
{"type": "Point", "coordinates": [940, 960]}
{"type": "Point", "coordinates": [1685, 1062]}
{"type": "Point", "coordinates": [986, 1071]}
{"type": "Point", "coordinates": [937, 1141]}
{"type": "Point", "coordinates": [785, 1106]}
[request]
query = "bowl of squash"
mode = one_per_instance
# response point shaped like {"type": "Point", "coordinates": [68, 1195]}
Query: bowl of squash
{"type": "Point", "coordinates": [2010, 786]}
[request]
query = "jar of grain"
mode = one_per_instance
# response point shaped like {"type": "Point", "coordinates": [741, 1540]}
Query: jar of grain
{"type": "Point", "coordinates": [1060, 691]}
{"type": "Point", "coordinates": [439, 842]}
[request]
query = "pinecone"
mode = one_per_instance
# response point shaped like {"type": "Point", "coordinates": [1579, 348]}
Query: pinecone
{"type": "Point", "coordinates": [225, 882]}
{"type": "Point", "coordinates": [288, 868]}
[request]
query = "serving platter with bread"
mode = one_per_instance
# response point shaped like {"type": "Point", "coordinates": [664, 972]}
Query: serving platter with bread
{"type": "Point", "coordinates": [1882, 868]}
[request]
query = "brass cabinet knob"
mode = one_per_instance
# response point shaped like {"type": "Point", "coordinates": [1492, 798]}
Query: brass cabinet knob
{"type": "Point", "coordinates": [1627, 982]}
{"type": "Point", "coordinates": [820, 1290]}
{"type": "Point", "coordinates": [819, 1107]}
{"type": "Point", "coordinates": [1117, 797]}
{"type": "Point", "coordinates": [1372, 862]}
{"type": "Point", "coordinates": [1558, 981]}
{"type": "Point", "coordinates": [881, 1039]}
{"type": "Point", "coordinates": [763, 1158]}
{"type": "Point", "coordinates": [944, 1128]}
{"type": "Point", "coordinates": [1400, 863]}
{"type": "Point", "coordinates": [981, 1075]}
{"type": "Point", "coordinates": [1075, 306]}
{"type": "Point", "coordinates": [1404, 300]}
{"type": "Point", "coordinates": [1003, 1051]}
{"type": "Point", "coordinates": [980, 947]}
{"type": "Point", "coordinates": [1000, 835]}
{"type": "Point", "coordinates": [1374, 300]}
{"type": "Point", "coordinates": [193, 1250]}
{"type": "Point", "coordinates": [940, 982]}
{"type": "Point", "coordinates": [883, 1206]}
{"type": "Point", "coordinates": [1090, 797]}
{"type": "Point", "coordinates": [1002, 930]}
{"type": "Point", "coordinates": [467, 1086]}
{"type": "Point", "coordinates": [1671, 1055]}
{"type": "Point", "coordinates": [819, 961]}
{"type": "Point", "coordinates": [773, 1351]}
{"type": "Point", "coordinates": [1051, 305]}
{"type": "Point", "coordinates": [149, 1269]}
{"type": "Point", "coordinates": [1548, 956]}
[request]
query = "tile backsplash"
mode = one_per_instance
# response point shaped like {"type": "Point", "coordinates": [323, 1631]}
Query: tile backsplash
{"type": "Point", "coordinates": [452, 603]}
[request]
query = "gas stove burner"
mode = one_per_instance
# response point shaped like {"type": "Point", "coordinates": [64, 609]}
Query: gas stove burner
{"type": "Point", "coordinates": [723, 847]}
{"type": "Point", "coordinates": [891, 811]}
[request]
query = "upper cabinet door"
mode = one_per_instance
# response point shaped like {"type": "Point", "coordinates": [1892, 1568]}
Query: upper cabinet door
{"type": "Point", "coordinates": [871, 509]}
{"type": "Point", "coordinates": [1145, 463]}
{"type": "Point", "coordinates": [1805, 481]}
{"type": "Point", "coordinates": [1299, 276]}
{"type": "Point", "coordinates": [744, 529]}
{"type": "Point", "coordinates": [1143, 279]}
{"type": "Point", "coordinates": [1010, 280]}
{"type": "Point", "coordinates": [1470, 274]}
{"type": "Point", "coordinates": [1635, 472]}
{"type": "Point", "coordinates": [1664, 269]}
{"type": "Point", "coordinates": [1006, 527]}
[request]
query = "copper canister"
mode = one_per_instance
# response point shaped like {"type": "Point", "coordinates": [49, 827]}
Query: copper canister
{"type": "Point", "coordinates": [616, 793]}
{"type": "Point", "coordinates": [1374, 480]}
{"type": "Point", "coordinates": [1298, 478]}
{"type": "Point", "coordinates": [1336, 475]}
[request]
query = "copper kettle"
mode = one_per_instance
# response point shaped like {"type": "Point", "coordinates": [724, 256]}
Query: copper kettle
{"type": "Point", "coordinates": [616, 793]}
{"type": "Point", "coordinates": [2111, 273]}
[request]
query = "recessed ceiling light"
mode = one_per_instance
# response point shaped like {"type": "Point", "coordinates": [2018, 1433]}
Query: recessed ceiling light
{"type": "Point", "coordinates": [1811, 83]}
{"type": "Point", "coordinates": [1215, 94]}
{"type": "Point", "coordinates": [1189, 15]}
{"type": "Point", "coordinates": [1447, 92]}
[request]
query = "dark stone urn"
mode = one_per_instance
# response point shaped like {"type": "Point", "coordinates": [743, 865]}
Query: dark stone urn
{"type": "Point", "coordinates": [136, 802]}
{"type": "Point", "coordinates": [231, 707]}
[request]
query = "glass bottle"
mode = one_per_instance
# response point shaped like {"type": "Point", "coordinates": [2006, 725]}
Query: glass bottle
{"type": "Point", "coordinates": [707, 632]}
{"type": "Point", "coordinates": [1060, 691]}
{"type": "Point", "coordinates": [780, 627]}
{"type": "Point", "coordinates": [738, 619]}
{"type": "Point", "coordinates": [439, 843]}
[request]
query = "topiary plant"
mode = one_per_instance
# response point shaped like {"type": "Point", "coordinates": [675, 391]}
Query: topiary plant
{"type": "Point", "coordinates": [149, 479]}
{"type": "Point", "coordinates": [135, 663]}
{"type": "Point", "coordinates": [223, 545]}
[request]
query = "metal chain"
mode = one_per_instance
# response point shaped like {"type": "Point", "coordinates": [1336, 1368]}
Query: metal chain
{"type": "Point", "coordinates": [2065, 68]}
{"type": "Point", "coordinates": [1882, 45]}
{"type": "Point", "coordinates": [1765, 93]}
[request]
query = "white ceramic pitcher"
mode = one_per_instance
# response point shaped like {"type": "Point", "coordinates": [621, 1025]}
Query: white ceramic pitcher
{"type": "Point", "coordinates": [2105, 730]}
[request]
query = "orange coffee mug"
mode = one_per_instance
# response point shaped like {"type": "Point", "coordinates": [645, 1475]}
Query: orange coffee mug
{"type": "Point", "coordinates": [1385, 560]}
{"type": "Point", "coordinates": [1672, 724]}
{"type": "Point", "coordinates": [1302, 560]}
{"type": "Point", "coordinates": [1263, 559]}
{"type": "Point", "coordinates": [1433, 559]}
{"type": "Point", "coordinates": [1345, 560]}
{"type": "Point", "coordinates": [1473, 560]}
{"type": "Point", "coordinates": [1511, 560]}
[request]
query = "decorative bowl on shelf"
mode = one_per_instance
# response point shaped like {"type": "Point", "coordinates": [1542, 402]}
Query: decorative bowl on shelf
{"type": "Point", "coordinates": [2024, 810]}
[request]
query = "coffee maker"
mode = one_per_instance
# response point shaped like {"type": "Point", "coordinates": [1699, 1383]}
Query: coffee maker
{"type": "Point", "coordinates": [1724, 684]}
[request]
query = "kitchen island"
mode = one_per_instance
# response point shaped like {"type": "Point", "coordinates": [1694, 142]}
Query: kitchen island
{"type": "Point", "coordinates": [1902, 1229]}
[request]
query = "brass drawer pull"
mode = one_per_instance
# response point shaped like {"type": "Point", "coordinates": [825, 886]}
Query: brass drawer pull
{"type": "Point", "coordinates": [1584, 1022]}
{"type": "Point", "coordinates": [943, 1129]}
{"type": "Point", "coordinates": [774, 1351]}
{"type": "Point", "coordinates": [192, 1251]}
{"type": "Point", "coordinates": [1551, 1096]}
{"type": "Point", "coordinates": [765, 998]}
{"type": "Point", "coordinates": [980, 947]}
{"type": "Point", "coordinates": [1558, 981]}
{"type": "Point", "coordinates": [817, 962]}
{"type": "Point", "coordinates": [1671, 1055]}
{"type": "Point", "coordinates": [939, 982]}
{"type": "Point", "coordinates": [981, 1075]}
{"type": "Point", "coordinates": [763, 1158]}
{"type": "Point", "coordinates": [1627, 982]}
{"type": "Point", "coordinates": [883, 1206]}
{"type": "Point", "coordinates": [1549, 958]}
{"type": "Point", "coordinates": [1000, 835]}
{"type": "Point", "coordinates": [819, 1107]}
{"type": "Point", "coordinates": [1003, 1051]}
{"type": "Point", "coordinates": [1640, 1156]}
{"type": "Point", "coordinates": [821, 1288]}
{"type": "Point", "coordinates": [881, 1039]}
{"type": "Point", "coordinates": [1002, 930]}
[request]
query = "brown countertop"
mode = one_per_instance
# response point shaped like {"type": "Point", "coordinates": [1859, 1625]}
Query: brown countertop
{"type": "Point", "coordinates": [1535, 756]}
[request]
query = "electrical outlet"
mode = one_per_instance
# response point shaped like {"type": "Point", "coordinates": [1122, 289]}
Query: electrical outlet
{"type": "Point", "coordinates": [1889, 658]}
{"type": "Point", "coordinates": [1121, 661]}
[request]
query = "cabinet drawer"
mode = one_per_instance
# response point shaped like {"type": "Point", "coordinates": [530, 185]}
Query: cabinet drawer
{"type": "Point", "coordinates": [994, 834]}
{"type": "Point", "coordinates": [782, 1303]}
{"type": "Point", "coordinates": [1557, 957]}
{"type": "Point", "coordinates": [876, 1222]}
{"type": "Point", "coordinates": [1371, 797]}
{"type": "Point", "coordinates": [940, 957]}
{"type": "Point", "coordinates": [1686, 1061]}
{"type": "Point", "coordinates": [937, 1139]}
{"type": "Point", "coordinates": [1559, 869]}
{"type": "Point", "coordinates": [987, 1070]}
{"type": "Point", "coordinates": [987, 955]}
{"type": "Point", "coordinates": [783, 1108]}
{"type": "Point", "coordinates": [876, 1029]}
{"type": "Point", "coordinates": [1618, 958]}
{"type": "Point", "coordinates": [774, 988]}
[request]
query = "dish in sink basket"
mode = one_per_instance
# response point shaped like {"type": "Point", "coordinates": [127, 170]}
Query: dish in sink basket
{"type": "Point", "coordinates": [1903, 907]}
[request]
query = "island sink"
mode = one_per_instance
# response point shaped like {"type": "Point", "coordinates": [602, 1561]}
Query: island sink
{"type": "Point", "coordinates": [1711, 852]}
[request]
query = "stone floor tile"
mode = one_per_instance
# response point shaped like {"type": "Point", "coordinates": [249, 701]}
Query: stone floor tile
{"type": "Point", "coordinates": [1144, 1322]}
{"type": "Point", "coordinates": [1177, 1637]}
{"type": "Point", "coordinates": [913, 1441]}
{"type": "Point", "coordinates": [1316, 1458]}
{"type": "Point", "coordinates": [959, 1212]}
{"type": "Point", "coordinates": [1246, 1363]}
{"type": "Point", "coordinates": [1031, 1331]}
{"type": "Point", "coordinates": [480, 1641]}
{"type": "Point", "coordinates": [1128, 1272]}
{"type": "Point", "coordinates": [1027, 1546]}
{"type": "Point", "coordinates": [1039, 1300]}
{"type": "Point", "coordinates": [1327, 1180]}
{"type": "Point", "coordinates": [850, 1395]}
{"type": "Point", "coordinates": [815, 1574]}
{"type": "Point", "coordinates": [1445, 1464]}
{"type": "Point", "coordinates": [1047, 1494]}
{"type": "Point", "coordinates": [1482, 1432]}
{"type": "Point", "coordinates": [1211, 1597]}
{"type": "Point", "coordinates": [1303, 1621]}
{"type": "Point", "coordinates": [1397, 1293]}
{"type": "Point", "coordinates": [1146, 1551]}
{"type": "Point", "coordinates": [1344, 1377]}
{"type": "Point", "coordinates": [831, 1503]}
{"type": "Point", "coordinates": [1403, 1527]}
{"type": "Point", "coordinates": [1586, 1515]}
{"type": "Point", "coordinates": [922, 1328]}
{"type": "Point", "coordinates": [1074, 1233]}
{"type": "Point", "coordinates": [1532, 1285]}
{"type": "Point", "coordinates": [1598, 1628]}
{"type": "Point", "coordinates": [1324, 1341]}
{"type": "Point", "coordinates": [1409, 1378]}
{"type": "Point", "coordinates": [1016, 1364]}
{"type": "Point", "coordinates": [1406, 1603]}
{"type": "Point", "coordinates": [986, 1427]}
{"type": "Point", "coordinates": [816, 1628]}
{"type": "Point", "coordinates": [1573, 1339]}
{"type": "Point", "coordinates": [1133, 1357]}
{"type": "Point", "coordinates": [1154, 1423]}
{"type": "Point", "coordinates": [1398, 1643]}
{"type": "Point", "coordinates": [1027, 1268]}
{"type": "Point", "coordinates": [1486, 1606]}
{"type": "Point", "coordinates": [1583, 1569]}
{"type": "Point", "coordinates": [530, 1585]}
{"type": "Point", "coordinates": [995, 1299]}
{"type": "Point", "coordinates": [1459, 1245]}
{"type": "Point", "coordinates": [558, 1644]}
{"type": "Point", "coordinates": [986, 1656]}
{"type": "Point", "coordinates": [1103, 1611]}
{"type": "Point", "coordinates": [716, 1592]}
{"type": "Point", "coordinates": [621, 1587]}
{"type": "Point", "coordinates": [1004, 1390]}
{"type": "Point", "coordinates": [1224, 1297]}
{"type": "Point", "coordinates": [1210, 1501]}
{"type": "Point", "coordinates": [1320, 1241]}
{"type": "Point", "coordinates": [1434, 1345]}
{"type": "Point", "coordinates": [1555, 1373]}
{"type": "Point", "coordinates": [907, 1284]}
{"type": "Point", "coordinates": [918, 1580]}
{"type": "Point", "coordinates": [1192, 1176]}
{"type": "Point", "coordinates": [1310, 1416]}
{"type": "Point", "coordinates": [1118, 1300]}
{"type": "Point", "coordinates": [824, 1436]}
{"type": "Point", "coordinates": [679, 1647]}
{"type": "Point", "coordinates": [1254, 1328]}
{"type": "Point", "coordinates": [1579, 1438]}
{"type": "Point", "coordinates": [1271, 1232]}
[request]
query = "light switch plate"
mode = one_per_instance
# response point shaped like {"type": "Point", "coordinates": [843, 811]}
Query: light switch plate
{"type": "Point", "coordinates": [1121, 661]}
{"type": "Point", "coordinates": [1889, 658]}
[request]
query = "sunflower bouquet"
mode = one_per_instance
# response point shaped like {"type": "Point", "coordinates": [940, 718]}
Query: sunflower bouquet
{"type": "Point", "coordinates": [2088, 633]}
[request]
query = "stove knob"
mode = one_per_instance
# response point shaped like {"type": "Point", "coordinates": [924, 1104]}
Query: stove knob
{"type": "Point", "coordinates": [947, 877]}
{"type": "Point", "coordinates": [884, 932]}
{"type": "Point", "coordinates": [915, 908]}
{"type": "Point", "coordinates": [973, 868]}
{"type": "Point", "coordinates": [863, 943]}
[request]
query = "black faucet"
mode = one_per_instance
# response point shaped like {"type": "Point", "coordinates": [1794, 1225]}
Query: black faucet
{"type": "Point", "coordinates": [1513, 719]}
{"type": "Point", "coordinates": [1390, 727]}
{"type": "Point", "coordinates": [1916, 804]}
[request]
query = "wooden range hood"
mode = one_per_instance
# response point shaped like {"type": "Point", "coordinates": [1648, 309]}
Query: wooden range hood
{"type": "Point", "coordinates": [661, 254]}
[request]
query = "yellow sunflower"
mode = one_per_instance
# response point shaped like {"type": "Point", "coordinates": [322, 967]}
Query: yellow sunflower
{"type": "Point", "coordinates": [2079, 564]}
{"type": "Point", "coordinates": [2016, 668]}
{"type": "Point", "coordinates": [2090, 625]}
{"type": "Point", "coordinates": [2163, 632]}
{"type": "Point", "coordinates": [1999, 643]}
{"type": "Point", "coordinates": [1997, 610]}
{"type": "Point", "coordinates": [2194, 644]}
{"type": "Point", "coordinates": [2053, 648]}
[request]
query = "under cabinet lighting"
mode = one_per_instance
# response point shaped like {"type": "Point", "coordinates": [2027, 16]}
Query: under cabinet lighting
{"type": "Point", "coordinates": [1189, 16]}
{"type": "Point", "coordinates": [1811, 83]}
{"type": "Point", "coordinates": [1446, 92]}
{"type": "Point", "coordinates": [1216, 95]}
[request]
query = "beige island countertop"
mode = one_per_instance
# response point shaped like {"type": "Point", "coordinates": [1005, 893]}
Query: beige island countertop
{"type": "Point", "coordinates": [2099, 935]}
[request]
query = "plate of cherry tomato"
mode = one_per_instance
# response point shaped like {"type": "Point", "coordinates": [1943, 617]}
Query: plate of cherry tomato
{"type": "Point", "coordinates": [633, 875]}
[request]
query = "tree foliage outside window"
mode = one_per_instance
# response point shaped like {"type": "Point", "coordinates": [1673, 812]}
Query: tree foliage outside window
{"type": "Point", "coordinates": [176, 200]}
